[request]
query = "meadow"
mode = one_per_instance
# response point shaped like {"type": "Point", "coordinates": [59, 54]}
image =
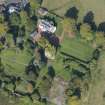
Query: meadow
{"type": "Point", "coordinates": [15, 61]}
{"type": "Point", "coordinates": [60, 7]}
{"type": "Point", "coordinates": [77, 48]}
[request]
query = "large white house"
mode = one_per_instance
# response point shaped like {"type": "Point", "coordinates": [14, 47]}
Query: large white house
{"type": "Point", "coordinates": [12, 9]}
{"type": "Point", "coordinates": [46, 26]}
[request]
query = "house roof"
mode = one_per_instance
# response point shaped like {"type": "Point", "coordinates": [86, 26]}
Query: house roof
{"type": "Point", "coordinates": [18, 3]}
{"type": "Point", "coordinates": [46, 26]}
{"type": "Point", "coordinates": [13, 1]}
{"type": "Point", "coordinates": [12, 9]}
{"type": "Point", "coordinates": [42, 11]}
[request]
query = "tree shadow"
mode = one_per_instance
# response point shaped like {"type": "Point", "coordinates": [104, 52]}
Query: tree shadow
{"type": "Point", "coordinates": [78, 73]}
{"type": "Point", "coordinates": [78, 25]}
{"type": "Point", "coordinates": [101, 27]}
{"type": "Point", "coordinates": [51, 72]}
{"type": "Point", "coordinates": [32, 69]}
{"type": "Point", "coordinates": [14, 31]}
{"type": "Point", "coordinates": [89, 18]}
{"type": "Point", "coordinates": [72, 13]}
{"type": "Point", "coordinates": [52, 38]}
{"type": "Point", "coordinates": [77, 92]}
{"type": "Point", "coordinates": [42, 55]}
{"type": "Point", "coordinates": [40, 1]}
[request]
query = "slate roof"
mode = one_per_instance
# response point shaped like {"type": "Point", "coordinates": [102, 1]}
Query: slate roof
{"type": "Point", "coordinates": [46, 26]}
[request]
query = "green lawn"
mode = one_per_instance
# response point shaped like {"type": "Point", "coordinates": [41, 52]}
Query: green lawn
{"type": "Point", "coordinates": [77, 48]}
{"type": "Point", "coordinates": [84, 6]}
{"type": "Point", "coordinates": [59, 68]}
{"type": "Point", "coordinates": [97, 7]}
{"type": "Point", "coordinates": [57, 6]}
{"type": "Point", "coordinates": [15, 63]}
{"type": "Point", "coordinates": [74, 47]}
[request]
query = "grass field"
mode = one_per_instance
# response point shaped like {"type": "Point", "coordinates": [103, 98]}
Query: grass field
{"type": "Point", "coordinates": [96, 92]}
{"type": "Point", "coordinates": [77, 48]}
{"type": "Point", "coordinates": [84, 6]}
{"type": "Point", "coordinates": [59, 69]}
{"type": "Point", "coordinates": [15, 63]}
{"type": "Point", "coordinates": [97, 7]}
{"type": "Point", "coordinates": [57, 6]}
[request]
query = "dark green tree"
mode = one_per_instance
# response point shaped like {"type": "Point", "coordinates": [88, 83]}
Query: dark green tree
{"type": "Point", "coordinates": [14, 19]}
{"type": "Point", "coordinates": [1, 66]}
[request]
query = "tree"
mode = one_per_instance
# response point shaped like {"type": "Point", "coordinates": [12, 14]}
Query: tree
{"type": "Point", "coordinates": [96, 54]}
{"type": "Point", "coordinates": [42, 42]}
{"type": "Point", "coordinates": [50, 51]}
{"type": "Point", "coordinates": [14, 19]}
{"type": "Point", "coordinates": [70, 65]}
{"type": "Point", "coordinates": [25, 101]}
{"type": "Point", "coordinates": [3, 29]}
{"type": "Point", "coordinates": [99, 39]}
{"type": "Point", "coordinates": [21, 31]}
{"type": "Point", "coordinates": [86, 32]}
{"type": "Point", "coordinates": [1, 18]}
{"type": "Point", "coordinates": [32, 70]}
{"type": "Point", "coordinates": [1, 66]}
{"type": "Point", "coordinates": [51, 72]}
{"type": "Point", "coordinates": [29, 88]}
{"type": "Point", "coordinates": [30, 26]}
{"type": "Point", "coordinates": [10, 87]}
{"type": "Point", "coordinates": [1, 47]}
{"type": "Point", "coordinates": [69, 26]}
{"type": "Point", "coordinates": [28, 23]}
{"type": "Point", "coordinates": [34, 4]}
{"type": "Point", "coordinates": [36, 95]}
{"type": "Point", "coordinates": [24, 17]}
{"type": "Point", "coordinates": [43, 86]}
{"type": "Point", "coordinates": [73, 101]}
